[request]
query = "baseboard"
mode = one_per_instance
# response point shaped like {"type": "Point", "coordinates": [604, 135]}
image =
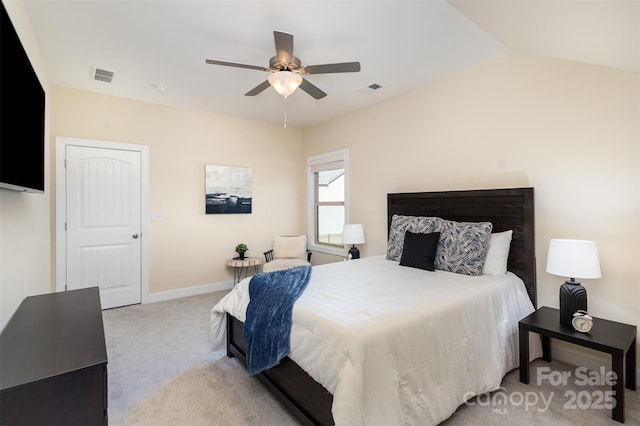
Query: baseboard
{"type": "Point", "coordinates": [162, 296]}
{"type": "Point", "coordinates": [593, 360]}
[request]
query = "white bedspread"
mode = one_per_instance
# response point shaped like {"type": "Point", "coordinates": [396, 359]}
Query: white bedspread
{"type": "Point", "coordinates": [398, 345]}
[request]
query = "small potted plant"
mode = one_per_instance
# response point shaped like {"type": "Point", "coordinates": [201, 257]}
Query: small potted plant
{"type": "Point", "coordinates": [241, 249]}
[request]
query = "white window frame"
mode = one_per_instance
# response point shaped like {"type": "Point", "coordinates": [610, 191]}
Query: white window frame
{"type": "Point", "coordinates": [314, 162]}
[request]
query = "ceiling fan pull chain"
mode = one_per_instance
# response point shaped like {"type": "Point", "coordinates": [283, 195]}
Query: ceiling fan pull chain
{"type": "Point", "coordinates": [285, 112]}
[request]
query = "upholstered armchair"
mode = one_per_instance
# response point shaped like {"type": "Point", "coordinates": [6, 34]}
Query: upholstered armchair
{"type": "Point", "coordinates": [287, 252]}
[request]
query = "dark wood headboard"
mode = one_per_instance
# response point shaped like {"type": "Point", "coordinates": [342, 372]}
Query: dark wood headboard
{"type": "Point", "coordinates": [505, 208]}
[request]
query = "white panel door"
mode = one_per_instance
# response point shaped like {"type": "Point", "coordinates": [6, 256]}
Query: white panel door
{"type": "Point", "coordinates": [103, 189]}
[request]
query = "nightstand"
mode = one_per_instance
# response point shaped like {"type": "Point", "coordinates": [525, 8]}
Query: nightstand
{"type": "Point", "coordinates": [614, 338]}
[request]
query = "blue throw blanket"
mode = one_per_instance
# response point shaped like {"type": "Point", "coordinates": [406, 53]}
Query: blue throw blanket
{"type": "Point", "coordinates": [267, 327]}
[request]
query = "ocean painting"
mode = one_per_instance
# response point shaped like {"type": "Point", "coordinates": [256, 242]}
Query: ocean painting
{"type": "Point", "coordinates": [227, 189]}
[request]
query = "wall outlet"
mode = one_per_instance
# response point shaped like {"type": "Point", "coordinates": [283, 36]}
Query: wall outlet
{"type": "Point", "coordinates": [156, 217]}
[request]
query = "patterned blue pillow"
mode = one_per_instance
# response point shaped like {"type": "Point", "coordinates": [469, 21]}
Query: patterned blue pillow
{"type": "Point", "coordinates": [401, 224]}
{"type": "Point", "coordinates": [463, 246]}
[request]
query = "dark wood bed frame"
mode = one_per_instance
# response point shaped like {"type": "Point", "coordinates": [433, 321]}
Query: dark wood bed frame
{"type": "Point", "coordinates": [310, 402]}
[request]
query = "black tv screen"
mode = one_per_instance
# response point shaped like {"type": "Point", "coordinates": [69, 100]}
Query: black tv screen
{"type": "Point", "coordinates": [22, 109]}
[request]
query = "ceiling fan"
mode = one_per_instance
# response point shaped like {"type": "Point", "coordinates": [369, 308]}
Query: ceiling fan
{"type": "Point", "coordinates": [287, 70]}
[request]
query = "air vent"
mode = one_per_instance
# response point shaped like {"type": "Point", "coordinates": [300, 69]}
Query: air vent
{"type": "Point", "coordinates": [370, 88]}
{"type": "Point", "coordinates": [101, 74]}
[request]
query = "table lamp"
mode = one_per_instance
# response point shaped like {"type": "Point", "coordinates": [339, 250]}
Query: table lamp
{"type": "Point", "coordinates": [573, 259]}
{"type": "Point", "coordinates": [353, 234]}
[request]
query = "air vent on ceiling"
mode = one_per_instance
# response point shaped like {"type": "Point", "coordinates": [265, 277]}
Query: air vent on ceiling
{"type": "Point", "coordinates": [100, 74]}
{"type": "Point", "coordinates": [370, 88]}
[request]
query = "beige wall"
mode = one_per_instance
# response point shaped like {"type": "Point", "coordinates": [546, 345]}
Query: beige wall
{"type": "Point", "coordinates": [188, 248]}
{"type": "Point", "coordinates": [25, 265]}
{"type": "Point", "coordinates": [569, 130]}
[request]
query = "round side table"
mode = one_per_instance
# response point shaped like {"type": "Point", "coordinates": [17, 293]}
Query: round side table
{"type": "Point", "coordinates": [241, 267]}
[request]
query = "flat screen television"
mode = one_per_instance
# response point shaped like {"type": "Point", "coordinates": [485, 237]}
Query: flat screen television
{"type": "Point", "coordinates": [22, 110]}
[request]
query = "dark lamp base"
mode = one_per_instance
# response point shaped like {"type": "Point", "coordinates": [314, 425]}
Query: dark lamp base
{"type": "Point", "coordinates": [354, 252]}
{"type": "Point", "coordinates": [573, 297]}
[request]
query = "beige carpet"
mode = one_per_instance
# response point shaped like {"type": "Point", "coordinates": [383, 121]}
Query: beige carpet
{"type": "Point", "coordinates": [162, 371]}
{"type": "Point", "coordinates": [217, 394]}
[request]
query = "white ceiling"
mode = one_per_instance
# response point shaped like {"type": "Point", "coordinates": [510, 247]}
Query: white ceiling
{"type": "Point", "coordinates": [401, 45]}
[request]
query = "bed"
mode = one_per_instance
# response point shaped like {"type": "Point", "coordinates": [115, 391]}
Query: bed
{"type": "Point", "coordinates": [421, 391]}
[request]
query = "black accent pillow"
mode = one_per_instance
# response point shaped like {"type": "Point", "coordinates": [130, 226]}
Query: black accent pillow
{"type": "Point", "coordinates": [419, 250]}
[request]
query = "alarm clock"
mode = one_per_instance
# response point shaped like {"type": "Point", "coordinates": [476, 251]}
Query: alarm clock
{"type": "Point", "coordinates": [582, 322]}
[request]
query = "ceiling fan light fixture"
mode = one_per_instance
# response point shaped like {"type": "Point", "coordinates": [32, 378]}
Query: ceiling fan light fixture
{"type": "Point", "coordinates": [285, 82]}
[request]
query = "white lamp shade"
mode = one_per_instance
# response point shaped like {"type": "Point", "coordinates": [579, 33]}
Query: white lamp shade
{"type": "Point", "coordinates": [285, 82]}
{"type": "Point", "coordinates": [353, 234]}
{"type": "Point", "coordinates": [573, 258]}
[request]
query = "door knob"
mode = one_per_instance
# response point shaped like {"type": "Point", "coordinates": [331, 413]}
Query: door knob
{"type": "Point", "coordinates": [135, 236]}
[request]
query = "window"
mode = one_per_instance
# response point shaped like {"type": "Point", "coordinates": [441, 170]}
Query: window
{"type": "Point", "coordinates": [329, 206]}
{"type": "Point", "coordinates": [327, 201]}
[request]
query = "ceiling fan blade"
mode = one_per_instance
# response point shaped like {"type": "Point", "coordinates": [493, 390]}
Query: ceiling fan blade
{"type": "Point", "coordinates": [284, 46]}
{"type": "Point", "coordinates": [236, 65]}
{"type": "Point", "coordinates": [311, 89]}
{"type": "Point", "coordinates": [258, 89]}
{"type": "Point", "coordinates": [333, 68]}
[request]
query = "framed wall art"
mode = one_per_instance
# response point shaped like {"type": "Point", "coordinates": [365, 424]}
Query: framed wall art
{"type": "Point", "coordinates": [227, 189]}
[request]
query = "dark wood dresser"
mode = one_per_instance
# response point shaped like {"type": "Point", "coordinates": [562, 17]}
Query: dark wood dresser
{"type": "Point", "coordinates": [53, 361]}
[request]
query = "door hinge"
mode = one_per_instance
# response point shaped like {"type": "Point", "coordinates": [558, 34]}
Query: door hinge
{"type": "Point", "coordinates": [65, 287]}
{"type": "Point", "coordinates": [65, 163]}
{"type": "Point", "coordinates": [65, 226]}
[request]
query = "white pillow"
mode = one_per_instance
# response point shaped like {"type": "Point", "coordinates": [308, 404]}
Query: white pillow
{"type": "Point", "coordinates": [290, 247]}
{"type": "Point", "coordinates": [495, 262]}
